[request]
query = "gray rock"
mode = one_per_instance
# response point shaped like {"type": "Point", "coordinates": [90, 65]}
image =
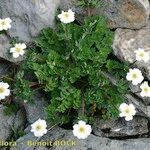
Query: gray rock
{"type": "Point", "coordinates": [4, 46]}
{"type": "Point", "coordinates": [4, 68]}
{"type": "Point", "coordinates": [3, 148]}
{"type": "Point", "coordinates": [36, 110]}
{"type": "Point", "coordinates": [20, 119]}
{"type": "Point", "coordinates": [120, 127]}
{"type": "Point", "coordinates": [22, 143]}
{"type": "Point", "coordinates": [132, 14]}
{"type": "Point", "coordinates": [29, 16]}
{"type": "Point", "coordinates": [95, 143]}
{"type": "Point", "coordinates": [91, 143]}
{"type": "Point", "coordinates": [25, 142]}
{"type": "Point", "coordinates": [7, 123]}
{"type": "Point", "coordinates": [127, 41]}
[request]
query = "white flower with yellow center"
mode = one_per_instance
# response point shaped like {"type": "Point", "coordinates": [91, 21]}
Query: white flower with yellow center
{"type": "Point", "coordinates": [127, 111]}
{"type": "Point", "coordinates": [4, 90]}
{"type": "Point", "coordinates": [145, 89]}
{"type": "Point", "coordinates": [5, 24]}
{"type": "Point", "coordinates": [135, 76]}
{"type": "Point", "coordinates": [67, 17]}
{"type": "Point", "coordinates": [39, 128]}
{"type": "Point", "coordinates": [18, 50]}
{"type": "Point", "coordinates": [141, 55]}
{"type": "Point", "coordinates": [82, 130]}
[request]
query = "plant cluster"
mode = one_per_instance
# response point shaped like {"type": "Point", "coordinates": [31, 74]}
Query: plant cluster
{"type": "Point", "coordinates": [73, 64]}
{"type": "Point", "coordinates": [89, 3]}
{"type": "Point", "coordinates": [69, 64]}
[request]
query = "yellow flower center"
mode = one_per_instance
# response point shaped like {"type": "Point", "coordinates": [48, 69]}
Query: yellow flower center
{"type": "Point", "coordinates": [2, 90]}
{"type": "Point", "coordinates": [142, 54]}
{"type": "Point", "coordinates": [18, 49]}
{"type": "Point", "coordinates": [66, 15]}
{"type": "Point", "coordinates": [127, 110]}
{"type": "Point", "coordinates": [145, 89]}
{"type": "Point", "coordinates": [3, 23]}
{"type": "Point", "coordinates": [134, 76]}
{"type": "Point", "coordinates": [38, 127]}
{"type": "Point", "coordinates": [82, 129]}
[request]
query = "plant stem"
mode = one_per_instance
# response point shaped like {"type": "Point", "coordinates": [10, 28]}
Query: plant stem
{"type": "Point", "coordinates": [66, 31]}
{"type": "Point", "coordinates": [132, 63]}
{"type": "Point", "coordinates": [83, 105]}
{"type": "Point", "coordinates": [7, 78]}
{"type": "Point", "coordinates": [51, 127]}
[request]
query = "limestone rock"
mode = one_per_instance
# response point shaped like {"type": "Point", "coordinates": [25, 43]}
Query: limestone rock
{"type": "Point", "coordinates": [4, 67]}
{"type": "Point", "coordinates": [22, 143]}
{"type": "Point", "coordinates": [36, 110]}
{"type": "Point", "coordinates": [28, 16]}
{"type": "Point", "coordinates": [120, 127]}
{"type": "Point", "coordinates": [8, 122]}
{"type": "Point", "coordinates": [20, 119]}
{"type": "Point", "coordinates": [127, 41]}
{"type": "Point", "coordinates": [91, 143]}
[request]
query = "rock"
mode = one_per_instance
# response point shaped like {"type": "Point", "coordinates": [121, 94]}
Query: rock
{"type": "Point", "coordinates": [4, 46]}
{"type": "Point", "coordinates": [28, 16]}
{"type": "Point", "coordinates": [36, 110]}
{"type": "Point", "coordinates": [3, 148]}
{"type": "Point", "coordinates": [7, 123]}
{"type": "Point", "coordinates": [20, 119]}
{"type": "Point", "coordinates": [127, 41]}
{"type": "Point", "coordinates": [26, 141]}
{"type": "Point", "coordinates": [4, 49]}
{"type": "Point", "coordinates": [120, 127]}
{"type": "Point", "coordinates": [95, 143]}
{"type": "Point", "coordinates": [4, 68]}
{"type": "Point", "coordinates": [91, 143]}
{"type": "Point", "coordinates": [22, 143]}
{"type": "Point", "coordinates": [132, 14]}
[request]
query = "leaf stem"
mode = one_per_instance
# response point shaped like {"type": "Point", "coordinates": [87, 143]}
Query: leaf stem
{"type": "Point", "coordinates": [7, 78]}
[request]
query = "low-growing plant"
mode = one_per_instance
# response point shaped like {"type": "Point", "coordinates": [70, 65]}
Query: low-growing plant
{"type": "Point", "coordinates": [90, 3]}
{"type": "Point", "coordinates": [70, 64]}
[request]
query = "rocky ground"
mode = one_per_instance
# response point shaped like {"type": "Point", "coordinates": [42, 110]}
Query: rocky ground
{"type": "Point", "coordinates": [130, 21]}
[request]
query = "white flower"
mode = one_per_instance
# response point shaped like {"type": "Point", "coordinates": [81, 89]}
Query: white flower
{"type": "Point", "coordinates": [145, 89]}
{"type": "Point", "coordinates": [135, 76]}
{"type": "Point", "coordinates": [5, 24]}
{"type": "Point", "coordinates": [25, 101]}
{"type": "Point", "coordinates": [4, 90]}
{"type": "Point", "coordinates": [67, 17]}
{"type": "Point", "coordinates": [81, 130]}
{"type": "Point", "coordinates": [141, 55]}
{"type": "Point", "coordinates": [18, 50]}
{"type": "Point", "coordinates": [127, 111]}
{"type": "Point", "coordinates": [39, 128]}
